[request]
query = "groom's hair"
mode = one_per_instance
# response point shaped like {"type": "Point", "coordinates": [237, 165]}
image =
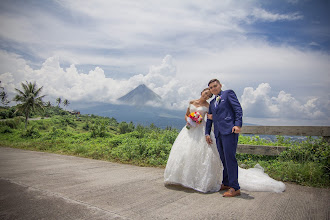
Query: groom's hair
{"type": "Point", "coordinates": [213, 80]}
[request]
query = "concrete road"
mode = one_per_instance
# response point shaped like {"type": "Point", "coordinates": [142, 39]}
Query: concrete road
{"type": "Point", "coordinates": [36, 185]}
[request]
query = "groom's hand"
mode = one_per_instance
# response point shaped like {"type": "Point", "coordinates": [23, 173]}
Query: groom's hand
{"type": "Point", "coordinates": [208, 139]}
{"type": "Point", "coordinates": [236, 130]}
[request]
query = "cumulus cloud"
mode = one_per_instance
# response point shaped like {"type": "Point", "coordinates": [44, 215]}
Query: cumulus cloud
{"type": "Point", "coordinates": [94, 86]}
{"type": "Point", "coordinates": [100, 50]}
{"type": "Point", "coordinates": [259, 103]}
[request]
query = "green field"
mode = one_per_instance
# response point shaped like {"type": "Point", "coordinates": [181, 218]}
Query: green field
{"type": "Point", "coordinates": [102, 138]}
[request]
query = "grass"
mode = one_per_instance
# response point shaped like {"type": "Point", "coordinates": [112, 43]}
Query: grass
{"type": "Point", "coordinates": [305, 163]}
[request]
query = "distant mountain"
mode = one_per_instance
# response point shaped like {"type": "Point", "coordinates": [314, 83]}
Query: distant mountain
{"type": "Point", "coordinates": [140, 96]}
{"type": "Point", "coordinates": [144, 115]}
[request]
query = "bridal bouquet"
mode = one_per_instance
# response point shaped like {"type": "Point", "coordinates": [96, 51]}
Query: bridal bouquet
{"type": "Point", "coordinates": [194, 119]}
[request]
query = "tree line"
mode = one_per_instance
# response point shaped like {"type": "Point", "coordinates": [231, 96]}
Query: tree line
{"type": "Point", "coordinates": [29, 99]}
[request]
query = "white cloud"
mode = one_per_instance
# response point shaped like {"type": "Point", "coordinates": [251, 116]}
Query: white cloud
{"type": "Point", "coordinates": [314, 44]}
{"type": "Point", "coordinates": [85, 30]}
{"type": "Point", "coordinates": [263, 15]}
{"type": "Point", "coordinates": [94, 86]}
{"type": "Point", "coordinates": [259, 103]}
{"type": "Point", "coordinates": [99, 40]}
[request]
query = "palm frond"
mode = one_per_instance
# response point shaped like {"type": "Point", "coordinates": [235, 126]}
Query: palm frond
{"type": "Point", "coordinates": [30, 99]}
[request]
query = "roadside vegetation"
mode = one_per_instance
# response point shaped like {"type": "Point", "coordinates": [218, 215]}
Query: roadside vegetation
{"type": "Point", "coordinates": [103, 138]}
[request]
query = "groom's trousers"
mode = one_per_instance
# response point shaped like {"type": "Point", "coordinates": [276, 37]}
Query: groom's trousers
{"type": "Point", "coordinates": [227, 145]}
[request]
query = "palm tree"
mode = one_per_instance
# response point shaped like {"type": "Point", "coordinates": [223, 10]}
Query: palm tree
{"type": "Point", "coordinates": [66, 102]}
{"type": "Point", "coordinates": [30, 99]}
{"type": "Point", "coordinates": [47, 104]}
{"type": "Point", "coordinates": [3, 96]}
{"type": "Point", "coordinates": [58, 101]}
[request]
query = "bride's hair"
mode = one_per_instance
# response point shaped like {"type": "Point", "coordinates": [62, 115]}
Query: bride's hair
{"type": "Point", "coordinates": [205, 90]}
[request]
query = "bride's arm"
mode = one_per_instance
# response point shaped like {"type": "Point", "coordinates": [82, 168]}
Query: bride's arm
{"type": "Point", "coordinates": [187, 114]}
{"type": "Point", "coordinates": [188, 111]}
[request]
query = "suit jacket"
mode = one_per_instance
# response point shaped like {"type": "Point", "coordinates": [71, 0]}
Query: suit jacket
{"type": "Point", "coordinates": [227, 114]}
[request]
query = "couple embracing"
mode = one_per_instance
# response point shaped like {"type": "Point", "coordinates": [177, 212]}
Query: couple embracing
{"type": "Point", "coordinates": [204, 159]}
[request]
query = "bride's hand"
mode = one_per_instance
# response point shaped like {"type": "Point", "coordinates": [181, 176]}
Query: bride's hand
{"type": "Point", "coordinates": [209, 116]}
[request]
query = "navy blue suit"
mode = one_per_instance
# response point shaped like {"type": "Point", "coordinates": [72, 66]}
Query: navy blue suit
{"type": "Point", "coordinates": [227, 114]}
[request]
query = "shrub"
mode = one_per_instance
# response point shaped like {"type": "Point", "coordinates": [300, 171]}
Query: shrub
{"type": "Point", "coordinates": [99, 129]}
{"type": "Point", "coordinates": [41, 125]}
{"type": "Point", "coordinates": [115, 141]}
{"type": "Point", "coordinates": [12, 123]}
{"type": "Point", "coordinates": [311, 150]}
{"type": "Point", "coordinates": [169, 136]}
{"type": "Point", "coordinates": [31, 132]}
{"type": "Point", "coordinates": [124, 128]}
{"type": "Point", "coordinates": [57, 133]}
{"type": "Point", "coordinates": [9, 112]}
{"type": "Point", "coordinates": [86, 126]}
{"type": "Point", "coordinates": [5, 129]}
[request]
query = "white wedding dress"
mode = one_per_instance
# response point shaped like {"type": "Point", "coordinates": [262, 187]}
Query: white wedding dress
{"type": "Point", "coordinates": [194, 164]}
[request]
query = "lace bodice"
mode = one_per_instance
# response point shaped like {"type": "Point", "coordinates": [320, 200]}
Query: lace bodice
{"type": "Point", "coordinates": [201, 109]}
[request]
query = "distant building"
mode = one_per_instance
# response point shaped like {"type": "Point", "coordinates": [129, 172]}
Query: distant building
{"type": "Point", "coordinates": [74, 112]}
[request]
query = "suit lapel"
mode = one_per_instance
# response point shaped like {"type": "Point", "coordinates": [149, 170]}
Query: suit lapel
{"type": "Point", "coordinates": [218, 105]}
{"type": "Point", "coordinates": [213, 102]}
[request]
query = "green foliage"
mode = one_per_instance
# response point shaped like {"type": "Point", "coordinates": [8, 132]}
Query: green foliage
{"type": "Point", "coordinates": [31, 132]}
{"type": "Point", "coordinates": [169, 136]}
{"type": "Point", "coordinates": [9, 112]}
{"type": "Point", "coordinates": [307, 173]}
{"type": "Point", "coordinates": [113, 122]}
{"type": "Point", "coordinates": [12, 123]}
{"type": "Point", "coordinates": [124, 128]}
{"type": "Point", "coordinates": [99, 129]}
{"type": "Point", "coordinates": [56, 133]}
{"type": "Point", "coordinates": [306, 162]}
{"type": "Point", "coordinates": [142, 151]}
{"type": "Point", "coordinates": [29, 99]}
{"type": "Point", "coordinates": [115, 141]}
{"type": "Point", "coordinates": [86, 126]}
{"type": "Point", "coordinates": [54, 110]}
{"type": "Point", "coordinates": [313, 150]}
{"type": "Point", "coordinates": [314, 157]}
{"type": "Point", "coordinates": [42, 124]}
{"type": "Point", "coordinates": [5, 129]}
{"type": "Point", "coordinates": [64, 121]}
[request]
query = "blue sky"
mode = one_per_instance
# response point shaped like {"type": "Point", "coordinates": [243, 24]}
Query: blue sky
{"type": "Point", "coordinates": [274, 54]}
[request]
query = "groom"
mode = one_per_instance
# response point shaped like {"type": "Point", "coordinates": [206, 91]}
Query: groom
{"type": "Point", "coordinates": [227, 119]}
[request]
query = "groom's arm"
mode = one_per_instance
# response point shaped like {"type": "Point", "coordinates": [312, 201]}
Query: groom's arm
{"type": "Point", "coordinates": [208, 123]}
{"type": "Point", "coordinates": [236, 107]}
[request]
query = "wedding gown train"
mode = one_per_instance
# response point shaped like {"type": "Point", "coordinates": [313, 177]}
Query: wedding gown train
{"type": "Point", "coordinates": [194, 164]}
{"type": "Point", "coordinates": [255, 179]}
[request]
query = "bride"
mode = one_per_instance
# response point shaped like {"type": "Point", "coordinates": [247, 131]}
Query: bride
{"type": "Point", "coordinates": [193, 163]}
